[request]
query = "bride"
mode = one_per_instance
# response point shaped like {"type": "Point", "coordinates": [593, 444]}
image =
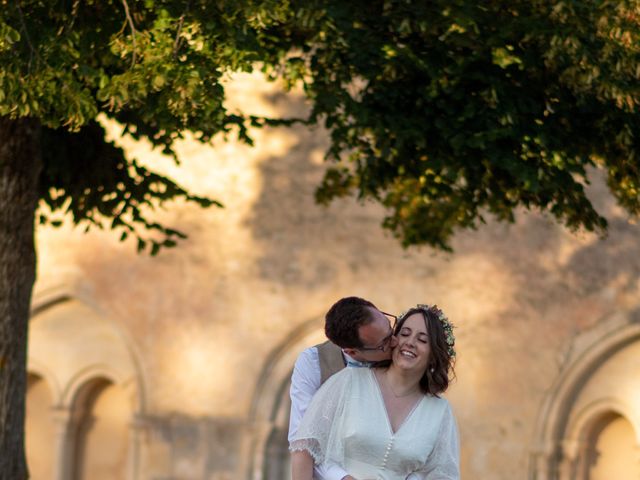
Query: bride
{"type": "Point", "coordinates": [387, 423]}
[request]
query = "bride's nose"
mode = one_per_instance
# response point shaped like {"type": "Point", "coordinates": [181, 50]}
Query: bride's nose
{"type": "Point", "coordinates": [410, 340]}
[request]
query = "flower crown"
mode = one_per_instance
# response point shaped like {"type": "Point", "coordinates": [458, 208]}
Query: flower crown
{"type": "Point", "coordinates": [444, 321]}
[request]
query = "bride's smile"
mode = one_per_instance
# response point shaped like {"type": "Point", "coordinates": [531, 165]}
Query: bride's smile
{"type": "Point", "coordinates": [413, 348]}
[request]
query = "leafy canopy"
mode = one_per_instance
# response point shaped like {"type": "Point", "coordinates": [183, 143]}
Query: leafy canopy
{"type": "Point", "coordinates": [446, 111]}
{"type": "Point", "coordinates": [443, 111]}
{"type": "Point", "coordinates": [154, 66]}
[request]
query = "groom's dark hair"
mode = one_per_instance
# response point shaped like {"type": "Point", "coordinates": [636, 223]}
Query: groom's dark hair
{"type": "Point", "coordinates": [344, 318]}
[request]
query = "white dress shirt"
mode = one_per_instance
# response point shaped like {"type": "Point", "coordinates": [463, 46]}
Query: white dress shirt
{"type": "Point", "coordinates": [305, 382]}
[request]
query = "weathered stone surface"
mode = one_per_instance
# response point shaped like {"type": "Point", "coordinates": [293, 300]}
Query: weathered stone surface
{"type": "Point", "coordinates": [204, 321]}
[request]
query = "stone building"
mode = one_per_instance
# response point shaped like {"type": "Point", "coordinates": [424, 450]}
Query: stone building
{"type": "Point", "coordinates": [177, 367]}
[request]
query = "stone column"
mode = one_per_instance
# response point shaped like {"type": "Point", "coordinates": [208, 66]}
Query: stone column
{"type": "Point", "coordinates": [583, 461]}
{"type": "Point", "coordinates": [536, 467]}
{"type": "Point", "coordinates": [137, 431]}
{"type": "Point", "coordinates": [548, 463]}
{"type": "Point", "coordinates": [569, 460]}
{"type": "Point", "coordinates": [260, 433]}
{"type": "Point", "coordinates": [64, 426]}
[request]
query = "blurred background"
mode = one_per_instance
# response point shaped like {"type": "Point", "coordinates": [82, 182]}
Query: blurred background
{"type": "Point", "coordinates": [178, 366]}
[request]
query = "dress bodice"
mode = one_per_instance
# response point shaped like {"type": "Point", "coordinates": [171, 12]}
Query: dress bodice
{"type": "Point", "coordinates": [360, 439]}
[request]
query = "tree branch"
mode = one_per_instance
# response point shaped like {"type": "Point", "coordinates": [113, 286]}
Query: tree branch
{"type": "Point", "coordinates": [74, 13]}
{"type": "Point", "coordinates": [133, 30]}
{"type": "Point", "coordinates": [176, 44]}
{"type": "Point", "coordinates": [27, 37]}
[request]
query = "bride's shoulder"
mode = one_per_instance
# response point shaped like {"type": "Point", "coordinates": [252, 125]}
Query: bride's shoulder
{"type": "Point", "coordinates": [439, 403]}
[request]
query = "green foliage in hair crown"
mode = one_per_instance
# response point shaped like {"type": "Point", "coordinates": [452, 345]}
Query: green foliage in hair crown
{"type": "Point", "coordinates": [444, 321]}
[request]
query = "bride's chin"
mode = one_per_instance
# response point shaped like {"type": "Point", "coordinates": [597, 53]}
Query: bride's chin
{"type": "Point", "coordinates": [402, 362]}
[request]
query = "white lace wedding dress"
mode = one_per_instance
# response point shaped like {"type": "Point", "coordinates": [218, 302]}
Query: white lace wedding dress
{"type": "Point", "coordinates": [347, 424]}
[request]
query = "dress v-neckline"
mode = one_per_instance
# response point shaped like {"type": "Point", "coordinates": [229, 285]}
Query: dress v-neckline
{"type": "Point", "coordinates": [384, 406]}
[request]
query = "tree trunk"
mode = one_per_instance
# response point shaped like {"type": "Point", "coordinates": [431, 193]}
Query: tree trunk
{"type": "Point", "coordinates": [20, 165]}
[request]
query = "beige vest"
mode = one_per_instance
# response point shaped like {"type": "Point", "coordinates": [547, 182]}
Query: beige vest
{"type": "Point", "coordinates": [331, 360]}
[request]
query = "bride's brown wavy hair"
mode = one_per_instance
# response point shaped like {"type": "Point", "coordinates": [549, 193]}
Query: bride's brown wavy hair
{"type": "Point", "coordinates": [440, 371]}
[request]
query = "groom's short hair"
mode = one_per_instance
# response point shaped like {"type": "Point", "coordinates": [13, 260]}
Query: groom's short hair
{"type": "Point", "coordinates": [344, 318]}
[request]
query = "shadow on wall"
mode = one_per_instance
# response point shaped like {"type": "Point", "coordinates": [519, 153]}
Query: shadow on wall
{"type": "Point", "coordinates": [182, 446]}
{"type": "Point", "coordinates": [303, 243]}
{"type": "Point", "coordinates": [552, 268]}
{"type": "Point", "coordinates": [306, 244]}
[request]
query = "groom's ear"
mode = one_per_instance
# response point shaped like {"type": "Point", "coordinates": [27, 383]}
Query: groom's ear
{"type": "Point", "coordinates": [350, 351]}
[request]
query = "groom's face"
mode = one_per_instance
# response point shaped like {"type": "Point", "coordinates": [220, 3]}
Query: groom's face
{"type": "Point", "coordinates": [377, 339]}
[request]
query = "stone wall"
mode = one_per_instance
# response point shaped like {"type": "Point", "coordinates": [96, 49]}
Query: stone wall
{"type": "Point", "coordinates": [211, 328]}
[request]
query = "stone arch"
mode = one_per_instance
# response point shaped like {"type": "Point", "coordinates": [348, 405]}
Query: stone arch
{"type": "Point", "coordinates": [120, 363]}
{"type": "Point", "coordinates": [73, 344]}
{"type": "Point", "coordinates": [581, 425]}
{"type": "Point", "coordinates": [39, 369]}
{"type": "Point", "coordinates": [611, 449]}
{"type": "Point", "coordinates": [269, 412]}
{"type": "Point", "coordinates": [95, 372]}
{"type": "Point", "coordinates": [91, 430]}
{"type": "Point", "coordinates": [561, 426]}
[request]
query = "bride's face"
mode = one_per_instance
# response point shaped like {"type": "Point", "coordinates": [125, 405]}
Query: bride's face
{"type": "Point", "coordinates": [413, 349]}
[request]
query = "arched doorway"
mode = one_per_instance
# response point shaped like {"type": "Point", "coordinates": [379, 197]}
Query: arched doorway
{"type": "Point", "coordinates": [591, 417]}
{"type": "Point", "coordinates": [269, 449]}
{"type": "Point", "coordinates": [276, 464]}
{"type": "Point", "coordinates": [611, 450]}
{"type": "Point", "coordinates": [101, 431]}
{"type": "Point", "coordinates": [96, 399]}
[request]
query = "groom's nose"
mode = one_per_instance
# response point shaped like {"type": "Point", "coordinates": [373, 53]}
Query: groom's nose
{"type": "Point", "coordinates": [393, 343]}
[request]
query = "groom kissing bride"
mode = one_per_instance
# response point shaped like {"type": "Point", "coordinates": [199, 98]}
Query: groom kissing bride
{"type": "Point", "coordinates": [381, 417]}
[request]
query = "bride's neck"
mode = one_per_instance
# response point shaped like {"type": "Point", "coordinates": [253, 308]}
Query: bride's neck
{"type": "Point", "coordinates": [403, 378]}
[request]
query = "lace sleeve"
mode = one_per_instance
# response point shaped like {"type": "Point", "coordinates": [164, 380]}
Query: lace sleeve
{"type": "Point", "coordinates": [318, 432]}
{"type": "Point", "coordinates": [444, 461]}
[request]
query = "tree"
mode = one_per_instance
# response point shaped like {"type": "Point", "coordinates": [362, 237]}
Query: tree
{"type": "Point", "coordinates": [443, 111]}
{"type": "Point", "coordinates": [154, 66]}
{"type": "Point", "coordinates": [446, 112]}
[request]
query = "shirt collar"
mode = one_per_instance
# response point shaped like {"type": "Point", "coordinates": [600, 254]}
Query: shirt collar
{"type": "Point", "coordinates": [352, 362]}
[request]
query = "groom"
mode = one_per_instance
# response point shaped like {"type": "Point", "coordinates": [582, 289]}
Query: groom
{"type": "Point", "coordinates": [360, 335]}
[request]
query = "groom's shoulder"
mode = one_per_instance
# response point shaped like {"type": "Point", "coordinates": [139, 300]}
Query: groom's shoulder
{"type": "Point", "coordinates": [308, 357]}
{"type": "Point", "coordinates": [319, 350]}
